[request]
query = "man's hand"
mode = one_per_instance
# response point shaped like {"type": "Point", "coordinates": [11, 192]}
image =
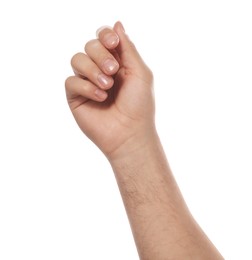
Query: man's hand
{"type": "Point", "coordinates": [112, 100]}
{"type": "Point", "coordinates": [111, 95]}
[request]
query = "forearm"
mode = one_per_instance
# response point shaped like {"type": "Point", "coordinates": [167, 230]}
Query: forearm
{"type": "Point", "coordinates": [111, 98]}
{"type": "Point", "coordinates": [161, 223]}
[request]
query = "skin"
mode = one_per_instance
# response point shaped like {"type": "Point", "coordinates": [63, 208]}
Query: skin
{"type": "Point", "coordinates": [111, 98]}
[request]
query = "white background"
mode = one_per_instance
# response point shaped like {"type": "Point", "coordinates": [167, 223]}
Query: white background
{"type": "Point", "coordinates": [58, 196]}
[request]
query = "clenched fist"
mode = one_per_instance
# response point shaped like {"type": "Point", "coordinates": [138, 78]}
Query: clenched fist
{"type": "Point", "coordinates": [111, 94]}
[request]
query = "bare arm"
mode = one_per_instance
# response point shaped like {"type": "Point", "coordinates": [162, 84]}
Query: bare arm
{"type": "Point", "coordinates": [161, 223]}
{"type": "Point", "coordinates": [111, 98]}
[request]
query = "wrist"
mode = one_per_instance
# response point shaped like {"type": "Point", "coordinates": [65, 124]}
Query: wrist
{"type": "Point", "coordinates": [134, 147]}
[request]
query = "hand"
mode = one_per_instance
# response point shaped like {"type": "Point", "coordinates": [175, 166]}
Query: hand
{"type": "Point", "coordinates": [111, 98]}
{"type": "Point", "coordinates": [111, 94]}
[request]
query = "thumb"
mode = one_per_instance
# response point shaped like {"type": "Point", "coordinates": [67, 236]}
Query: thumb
{"type": "Point", "coordinates": [129, 56]}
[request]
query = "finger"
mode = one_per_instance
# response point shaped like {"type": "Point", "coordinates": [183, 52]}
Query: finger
{"type": "Point", "coordinates": [76, 87]}
{"type": "Point", "coordinates": [85, 67]}
{"type": "Point", "coordinates": [102, 57]}
{"type": "Point", "coordinates": [107, 37]}
{"type": "Point", "coordinates": [126, 50]}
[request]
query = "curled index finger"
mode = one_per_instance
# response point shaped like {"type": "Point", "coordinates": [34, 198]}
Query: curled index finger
{"type": "Point", "coordinates": [107, 37]}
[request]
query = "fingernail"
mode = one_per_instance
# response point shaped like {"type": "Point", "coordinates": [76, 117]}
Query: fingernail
{"type": "Point", "coordinates": [110, 65]}
{"type": "Point", "coordinates": [100, 94]}
{"type": "Point", "coordinates": [101, 29]}
{"type": "Point", "coordinates": [111, 39]}
{"type": "Point", "coordinates": [103, 79]}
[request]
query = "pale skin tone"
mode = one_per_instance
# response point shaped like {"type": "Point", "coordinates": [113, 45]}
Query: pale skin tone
{"type": "Point", "coordinates": [111, 98]}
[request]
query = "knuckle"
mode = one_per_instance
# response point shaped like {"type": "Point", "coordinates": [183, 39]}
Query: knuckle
{"type": "Point", "coordinates": [68, 82]}
{"type": "Point", "coordinates": [75, 59]}
{"type": "Point", "coordinates": [147, 74]}
{"type": "Point", "coordinates": [132, 45]}
{"type": "Point", "coordinates": [150, 74]}
{"type": "Point", "coordinates": [91, 45]}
